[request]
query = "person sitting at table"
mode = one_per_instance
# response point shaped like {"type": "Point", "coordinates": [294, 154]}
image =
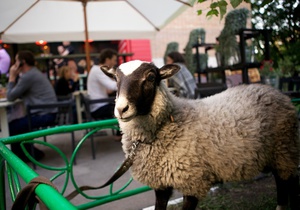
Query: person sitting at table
{"type": "Point", "coordinates": [65, 85]}
{"type": "Point", "coordinates": [100, 86]}
{"type": "Point", "coordinates": [183, 81]}
{"type": "Point", "coordinates": [33, 88]}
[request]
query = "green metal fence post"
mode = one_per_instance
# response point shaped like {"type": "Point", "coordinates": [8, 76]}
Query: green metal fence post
{"type": "Point", "coordinates": [2, 183]}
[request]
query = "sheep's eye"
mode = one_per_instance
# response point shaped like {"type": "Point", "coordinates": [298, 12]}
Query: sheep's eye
{"type": "Point", "coordinates": [150, 77]}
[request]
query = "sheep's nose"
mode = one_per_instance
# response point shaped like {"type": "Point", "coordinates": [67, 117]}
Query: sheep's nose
{"type": "Point", "coordinates": [122, 106]}
{"type": "Point", "coordinates": [122, 110]}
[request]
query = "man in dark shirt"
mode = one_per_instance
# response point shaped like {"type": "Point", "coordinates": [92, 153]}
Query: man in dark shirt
{"type": "Point", "coordinates": [33, 88]}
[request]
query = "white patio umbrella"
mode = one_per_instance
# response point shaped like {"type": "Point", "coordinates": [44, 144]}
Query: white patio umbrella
{"type": "Point", "coordinates": [23, 21]}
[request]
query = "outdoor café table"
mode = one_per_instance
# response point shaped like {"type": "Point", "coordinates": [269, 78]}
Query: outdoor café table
{"type": "Point", "coordinates": [3, 115]}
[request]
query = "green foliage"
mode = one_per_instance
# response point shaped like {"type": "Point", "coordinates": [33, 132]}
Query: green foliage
{"type": "Point", "coordinates": [235, 3]}
{"type": "Point", "coordinates": [228, 46]}
{"type": "Point", "coordinates": [284, 20]}
{"type": "Point", "coordinates": [223, 8]}
{"type": "Point", "coordinates": [212, 12]}
{"type": "Point", "coordinates": [220, 7]}
{"type": "Point", "coordinates": [280, 16]}
{"type": "Point", "coordinates": [196, 36]}
{"type": "Point", "coordinates": [286, 67]}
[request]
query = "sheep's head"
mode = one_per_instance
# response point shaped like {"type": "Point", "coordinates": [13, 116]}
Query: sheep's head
{"type": "Point", "coordinates": [137, 83]}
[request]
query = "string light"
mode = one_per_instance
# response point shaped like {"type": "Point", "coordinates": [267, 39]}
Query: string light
{"type": "Point", "coordinates": [41, 43]}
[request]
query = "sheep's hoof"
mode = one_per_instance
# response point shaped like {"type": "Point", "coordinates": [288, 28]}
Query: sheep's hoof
{"type": "Point", "coordinates": [281, 208]}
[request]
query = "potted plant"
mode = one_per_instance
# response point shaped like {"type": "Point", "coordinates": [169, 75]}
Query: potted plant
{"type": "Point", "coordinates": [268, 75]}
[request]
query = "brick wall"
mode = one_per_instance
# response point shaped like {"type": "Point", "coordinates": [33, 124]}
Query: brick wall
{"type": "Point", "coordinates": [179, 29]}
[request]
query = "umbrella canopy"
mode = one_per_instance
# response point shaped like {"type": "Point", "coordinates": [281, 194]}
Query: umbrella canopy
{"type": "Point", "coordinates": [56, 20]}
{"type": "Point", "coordinates": [78, 20]}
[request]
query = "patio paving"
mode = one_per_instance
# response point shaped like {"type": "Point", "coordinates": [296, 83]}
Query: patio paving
{"type": "Point", "coordinates": [109, 156]}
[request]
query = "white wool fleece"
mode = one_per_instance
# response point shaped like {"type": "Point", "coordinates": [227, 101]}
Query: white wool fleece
{"type": "Point", "coordinates": [233, 135]}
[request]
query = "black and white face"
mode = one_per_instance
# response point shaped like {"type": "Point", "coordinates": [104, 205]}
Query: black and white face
{"type": "Point", "coordinates": [137, 83]}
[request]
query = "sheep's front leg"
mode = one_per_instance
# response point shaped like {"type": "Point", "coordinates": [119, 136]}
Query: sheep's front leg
{"type": "Point", "coordinates": [287, 190]}
{"type": "Point", "coordinates": [162, 198]}
{"type": "Point", "coordinates": [282, 192]}
{"type": "Point", "coordinates": [189, 203]}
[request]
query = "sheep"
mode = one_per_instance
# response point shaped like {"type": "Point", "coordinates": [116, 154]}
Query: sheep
{"type": "Point", "coordinates": [189, 145]}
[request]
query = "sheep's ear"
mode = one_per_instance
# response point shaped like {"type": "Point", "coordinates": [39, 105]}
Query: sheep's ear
{"type": "Point", "coordinates": [110, 72]}
{"type": "Point", "coordinates": [168, 70]}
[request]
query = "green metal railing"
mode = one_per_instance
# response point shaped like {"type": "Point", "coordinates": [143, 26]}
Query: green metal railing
{"type": "Point", "coordinates": [15, 168]}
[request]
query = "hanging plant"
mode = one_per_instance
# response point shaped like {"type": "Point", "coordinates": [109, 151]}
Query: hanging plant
{"type": "Point", "coordinates": [228, 45]}
{"type": "Point", "coordinates": [197, 36]}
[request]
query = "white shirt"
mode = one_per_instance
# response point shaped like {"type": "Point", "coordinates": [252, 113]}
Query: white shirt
{"type": "Point", "coordinates": [97, 85]}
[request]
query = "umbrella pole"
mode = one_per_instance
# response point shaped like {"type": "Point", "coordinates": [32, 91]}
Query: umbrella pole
{"type": "Point", "coordinates": [87, 45]}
